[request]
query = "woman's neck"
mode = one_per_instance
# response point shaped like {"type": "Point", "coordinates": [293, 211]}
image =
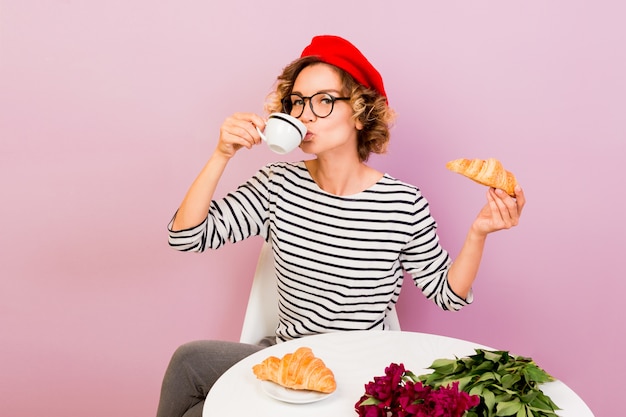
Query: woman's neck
{"type": "Point", "coordinates": [341, 177]}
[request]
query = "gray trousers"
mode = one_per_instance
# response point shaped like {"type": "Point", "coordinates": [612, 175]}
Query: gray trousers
{"type": "Point", "coordinates": [193, 370]}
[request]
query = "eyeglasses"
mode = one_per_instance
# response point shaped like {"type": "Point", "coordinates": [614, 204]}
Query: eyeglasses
{"type": "Point", "coordinates": [321, 104]}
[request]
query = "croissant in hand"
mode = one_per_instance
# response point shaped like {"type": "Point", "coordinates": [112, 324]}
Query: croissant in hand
{"type": "Point", "coordinates": [298, 370]}
{"type": "Point", "coordinates": [488, 172]}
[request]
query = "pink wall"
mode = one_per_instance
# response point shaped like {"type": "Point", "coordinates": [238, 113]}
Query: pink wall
{"type": "Point", "coordinates": [109, 109]}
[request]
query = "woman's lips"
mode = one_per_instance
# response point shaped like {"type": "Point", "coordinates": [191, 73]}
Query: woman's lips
{"type": "Point", "coordinates": [307, 137]}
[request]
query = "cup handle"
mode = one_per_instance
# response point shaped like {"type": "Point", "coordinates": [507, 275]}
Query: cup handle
{"type": "Point", "coordinates": [261, 133]}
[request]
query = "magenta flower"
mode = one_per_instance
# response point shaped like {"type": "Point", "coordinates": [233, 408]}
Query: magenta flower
{"type": "Point", "coordinates": [398, 394]}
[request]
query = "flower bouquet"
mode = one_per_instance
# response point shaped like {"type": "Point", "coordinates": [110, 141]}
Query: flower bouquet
{"type": "Point", "coordinates": [487, 384]}
{"type": "Point", "coordinates": [400, 394]}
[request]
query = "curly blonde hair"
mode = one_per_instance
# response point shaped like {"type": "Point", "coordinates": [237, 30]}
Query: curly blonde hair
{"type": "Point", "coordinates": [368, 106]}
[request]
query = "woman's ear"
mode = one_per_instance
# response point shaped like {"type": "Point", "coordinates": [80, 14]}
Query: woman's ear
{"type": "Point", "coordinates": [358, 124]}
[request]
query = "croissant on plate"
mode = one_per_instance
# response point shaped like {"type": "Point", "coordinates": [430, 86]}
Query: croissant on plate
{"type": "Point", "coordinates": [488, 172]}
{"type": "Point", "coordinates": [299, 370]}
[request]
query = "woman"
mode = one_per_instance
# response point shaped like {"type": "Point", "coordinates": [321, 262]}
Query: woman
{"type": "Point", "coordinates": [343, 233]}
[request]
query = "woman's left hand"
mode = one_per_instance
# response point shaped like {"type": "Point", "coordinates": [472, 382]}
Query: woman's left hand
{"type": "Point", "coordinates": [501, 211]}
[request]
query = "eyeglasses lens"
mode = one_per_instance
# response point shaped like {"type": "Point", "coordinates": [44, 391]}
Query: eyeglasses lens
{"type": "Point", "coordinates": [321, 104]}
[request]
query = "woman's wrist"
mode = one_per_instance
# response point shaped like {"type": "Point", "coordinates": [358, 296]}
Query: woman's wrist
{"type": "Point", "coordinates": [220, 157]}
{"type": "Point", "coordinates": [476, 233]}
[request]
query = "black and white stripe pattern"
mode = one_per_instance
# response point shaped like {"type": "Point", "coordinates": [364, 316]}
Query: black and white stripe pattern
{"type": "Point", "coordinates": [339, 259]}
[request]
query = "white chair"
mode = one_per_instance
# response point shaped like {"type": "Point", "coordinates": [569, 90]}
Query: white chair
{"type": "Point", "coordinates": [261, 316]}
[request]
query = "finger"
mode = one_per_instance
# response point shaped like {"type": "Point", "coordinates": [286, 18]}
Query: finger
{"type": "Point", "coordinates": [495, 204]}
{"type": "Point", "coordinates": [244, 135]}
{"type": "Point", "coordinates": [257, 121]}
{"type": "Point", "coordinates": [234, 135]}
{"type": "Point", "coordinates": [505, 207]}
{"type": "Point", "coordinates": [242, 125]}
{"type": "Point", "coordinates": [520, 198]}
{"type": "Point", "coordinates": [250, 122]}
{"type": "Point", "coordinates": [513, 207]}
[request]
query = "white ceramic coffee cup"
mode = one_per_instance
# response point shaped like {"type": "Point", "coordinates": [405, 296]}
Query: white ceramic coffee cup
{"type": "Point", "coordinates": [283, 133]}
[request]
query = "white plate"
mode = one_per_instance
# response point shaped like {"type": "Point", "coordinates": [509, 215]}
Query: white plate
{"type": "Point", "coordinates": [293, 396]}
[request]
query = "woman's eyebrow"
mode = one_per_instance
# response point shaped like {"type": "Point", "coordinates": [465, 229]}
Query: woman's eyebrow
{"type": "Point", "coordinates": [328, 90]}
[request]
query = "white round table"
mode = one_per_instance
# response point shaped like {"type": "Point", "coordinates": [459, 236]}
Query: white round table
{"type": "Point", "coordinates": [355, 358]}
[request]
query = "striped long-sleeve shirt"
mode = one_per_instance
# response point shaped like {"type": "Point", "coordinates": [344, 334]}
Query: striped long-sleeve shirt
{"type": "Point", "coordinates": [339, 260]}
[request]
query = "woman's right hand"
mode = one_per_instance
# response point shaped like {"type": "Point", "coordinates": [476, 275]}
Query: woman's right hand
{"type": "Point", "coordinates": [237, 131]}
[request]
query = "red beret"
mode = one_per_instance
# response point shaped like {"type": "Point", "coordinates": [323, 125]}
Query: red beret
{"type": "Point", "coordinates": [341, 53]}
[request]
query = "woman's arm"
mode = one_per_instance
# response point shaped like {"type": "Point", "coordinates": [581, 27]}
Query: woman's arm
{"type": "Point", "coordinates": [236, 132]}
{"type": "Point", "coordinates": [500, 212]}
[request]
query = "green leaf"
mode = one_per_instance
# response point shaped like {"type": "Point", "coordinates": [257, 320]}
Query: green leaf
{"type": "Point", "coordinates": [542, 413]}
{"type": "Point", "coordinates": [487, 376]}
{"type": "Point", "coordinates": [509, 380]}
{"type": "Point", "coordinates": [486, 366]}
{"type": "Point", "coordinates": [410, 376]}
{"type": "Point", "coordinates": [508, 408]}
{"type": "Point", "coordinates": [533, 373]}
{"type": "Point", "coordinates": [370, 401]}
{"type": "Point", "coordinates": [489, 399]}
{"type": "Point", "coordinates": [504, 397]}
{"type": "Point", "coordinates": [478, 390]}
{"type": "Point", "coordinates": [464, 381]}
{"type": "Point", "coordinates": [543, 402]}
{"type": "Point", "coordinates": [443, 365]}
{"type": "Point", "coordinates": [494, 355]}
{"type": "Point", "coordinates": [530, 397]}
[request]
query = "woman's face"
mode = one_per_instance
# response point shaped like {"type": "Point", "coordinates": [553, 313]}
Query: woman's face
{"type": "Point", "coordinates": [336, 133]}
